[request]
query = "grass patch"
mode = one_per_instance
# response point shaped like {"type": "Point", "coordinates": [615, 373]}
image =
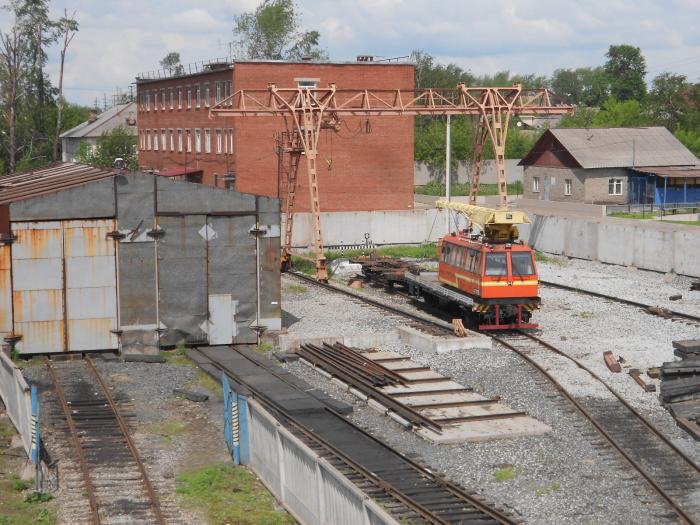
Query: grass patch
{"type": "Point", "coordinates": [167, 429]}
{"type": "Point", "coordinates": [544, 258]}
{"type": "Point", "coordinates": [462, 189]}
{"type": "Point", "coordinates": [16, 509]}
{"type": "Point", "coordinates": [227, 494]}
{"type": "Point", "coordinates": [18, 483]}
{"type": "Point", "coordinates": [554, 486]}
{"type": "Point", "coordinates": [178, 356]}
{"type": "Point", "coordinates": [586, 315]}
{"type": "Point", "coordinates": [295, 288]}
{"type": "Point", "coordinates": [265, 347]}
{"type": "Point", "coordinates": [205, 381]}
{"type": "Point", "coordinates": [690, 223]}
{"type": "Point", "coordinates": [634, 214]}
{"type": "Point", "coordinates": [507, 473]}
{"type": "Point", "coordinates": [7, 431]}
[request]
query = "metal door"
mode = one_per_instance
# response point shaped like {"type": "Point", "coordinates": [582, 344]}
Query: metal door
{"type": "Point", "coordinates": [549, 181]}
{"type": "Point", "coordinates": [91, 284]}
{"type": "Point", "coordinates": [37, 275]}
{"type": "Point", "coordinates": [5, 290]}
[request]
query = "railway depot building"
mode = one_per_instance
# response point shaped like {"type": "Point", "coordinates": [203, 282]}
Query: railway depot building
{"type": "Point", "coordinates": [368, 158]}
{"type": "Point", "coordinates": [611, 166]}
{"type": "Point", "coordinates": [91, 259]}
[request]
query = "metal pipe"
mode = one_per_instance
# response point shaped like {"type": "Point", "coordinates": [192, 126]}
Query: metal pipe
{"type": "Point", "coordinates": [257, 272]}
{"type": "Point", "coordinates": [448, 157]}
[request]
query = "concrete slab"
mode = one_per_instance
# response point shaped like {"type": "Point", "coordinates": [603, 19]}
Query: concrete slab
{"type": "Point", "coordinates": [381, 356]}
{"type": "Point", "coordinates": [290, 343]}
{"type": "Point", "coordinates": [466, 411]}
{"type": "Point", "coordinates": [433, 399]}
{"type": "Point", "coordinates": [422, 387]}
{"type": "Point", "coordinates": [401, 365]}
{"type": "Point", "coordinates": [442, 344]}
{"type": "Point", "coordinates": [486, 430]}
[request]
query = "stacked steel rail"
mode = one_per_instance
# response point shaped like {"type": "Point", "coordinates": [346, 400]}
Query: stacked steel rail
{"type": "Point", "coordinates": [413, 493]}
{"type": "Point", "coordinates": [110, 465]}
{"type": "Point", "coordinates": [671, 473]}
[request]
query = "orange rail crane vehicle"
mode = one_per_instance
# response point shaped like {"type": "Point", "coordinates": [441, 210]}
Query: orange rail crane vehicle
{"type": "Point", "coordinates": [312, 109]}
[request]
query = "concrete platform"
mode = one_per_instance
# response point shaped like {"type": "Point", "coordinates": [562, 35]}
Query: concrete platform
{"type": "Point", "coordinates": [438, 344]}
{"type": "Point", "coordinates": [290, 342]}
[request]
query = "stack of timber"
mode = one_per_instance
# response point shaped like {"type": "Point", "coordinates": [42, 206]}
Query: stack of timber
{"type": "Point", "coordinates": [385, 270]}
{"type": "Point", "coordinates": [680, 386]}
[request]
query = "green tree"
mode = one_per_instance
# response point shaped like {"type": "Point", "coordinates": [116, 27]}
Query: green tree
{"type": "Point", "coordinates": [626, 68]}
{"type": "Point", "coordinates": [172, 63]}
{"type": "Point", "coordinates": [272, 32]}
{"type": "Point", "coordinates": [583, 86]}
{"type": "Point", "coordinates": [117, 143]}
{"type": "Point", "coordinates": [621, 114]}
{"type": "Point", "coordinates": [690, 139]}
{"type": "Point", "coordinates": [668, 99]}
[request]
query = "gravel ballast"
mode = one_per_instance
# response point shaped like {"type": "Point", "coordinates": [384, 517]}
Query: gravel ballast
{"type": "Point", "coordinates": [566, 476]}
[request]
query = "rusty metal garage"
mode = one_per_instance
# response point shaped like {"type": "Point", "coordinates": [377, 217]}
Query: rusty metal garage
{"type": "Point", "coordinates": [95, 260]}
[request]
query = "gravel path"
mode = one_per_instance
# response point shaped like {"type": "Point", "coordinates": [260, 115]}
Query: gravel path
{"type": "Point", "coordinates": [567, 476]}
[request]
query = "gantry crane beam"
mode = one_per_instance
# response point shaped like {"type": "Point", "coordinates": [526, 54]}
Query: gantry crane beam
{"type": "Point", "coordinates": [314, 108]}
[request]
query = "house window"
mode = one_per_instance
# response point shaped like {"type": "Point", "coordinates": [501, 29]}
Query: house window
{"type": "Point", "coordinates": [207, 140]}
{"type": "Point", "coordinates": [155, 140]}
{"type": "Point", "coordinates": [206, 95]}
{"type": "Point", "coordinates": [148, 101]}
{"type": "Point", "coordinates": [197, 140]}
{"type": "Point", "coordinates": [218, 91]}
{"type": "Point", "coordinates": [567, 186]}
{"type": "Point", "coordinates": [172, 99]}
{"type": "Point", "coordinates": [614, 186]}
{"type": "Point", "coordinates": [307, 82]}
{"type": "Point", "coordinates": [162, 101]}
{"type": "Point", "coordinates": [229, 89]}
{"type": "Point", "coordinates": [188, 132]}
{"type": "Point", "coordinates": [148, 139]}
{"type": "Point", "coordinates": [171, 131]}
{"type": "Point", "coordinates": [197, 96]}
{"type": "Point", "coordinates": [189, 97]}
{"type": "Point", "coordinates": [163, 143]}
{"type": "Point", "coordinates": [179, 140]}
{"type": "Point", "coordinates": [219, 142]}
{"type": "Point", "coordinates": [535, 184]}
{"type": "Point", "coordinates": [230, 138]}
{"type": "Point", "coordinates": [179, 98]}
{"type": "Point", "coordinates": [155, 101]}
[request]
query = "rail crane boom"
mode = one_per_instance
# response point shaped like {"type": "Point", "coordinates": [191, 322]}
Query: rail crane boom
{"type": "Point", "coordinates": [315, 108]}
{"type": "Point", "coordinates": [498, 225]}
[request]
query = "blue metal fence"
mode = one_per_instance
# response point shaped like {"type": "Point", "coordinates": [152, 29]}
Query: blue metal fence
{"type": "Point", "coordinates": [235, 423]}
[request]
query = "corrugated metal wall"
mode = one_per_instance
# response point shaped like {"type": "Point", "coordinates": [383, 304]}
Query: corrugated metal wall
{"type": "Point", "coordinates": [5, 290]}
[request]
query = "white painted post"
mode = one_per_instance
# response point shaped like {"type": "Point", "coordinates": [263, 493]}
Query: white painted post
{"type": "Point", "coordinates": [448, 155]}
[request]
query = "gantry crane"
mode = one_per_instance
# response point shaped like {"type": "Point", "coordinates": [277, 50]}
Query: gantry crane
{"type": "Point", "coordinates": [312, 109]}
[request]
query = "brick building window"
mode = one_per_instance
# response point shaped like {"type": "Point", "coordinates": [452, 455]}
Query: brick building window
{"type": "Point", "coordinates": [189, 140]}
{"type": "Point", "coordinates": [567, 186]}
{"type": "Point", "coordinates": [155, 140]}
{"type": "Point", "coordinates": [206, 94]}
{"type": "Point", "coordinates": [171, 132]}
{"type": "Point", "coordinates": [230, 138]}
{"type": "Point", "coordinates": [229, 90]}
{"type": "Point", "coordinates": [155, 100]}
{"type": "Point", "coordinates": [535, 184]}
{"type": "Point", "coordinates": [172, 99]}
{"type": "Point", "coordinates": [207, 140]}
{"type": "Point", "coordinates": [179, 140]}
{"type": "Point", "coordinates": [197, 96]}
{"type": "Point", "coordinates": [219, 142]}
{"type": "Point", "coordinates": [307, 82]}
{"type": "Point", "coordinates": [189, 97]}
{"type": "Point", "coordinates": [163, 143]}
{"type": "Point", "coordinates": [148, 139]}
{"type": "Point", "coordinates": [197, 140]}
{"type": "Point", "coordinates": [162, 102]}
{"type": "Point", "coordinates": [218, 91]}
{"type": "Point", "coordinates": [179, 98]}
{"type": "Point", "coordinates": [148, 101]}
{"type": "Point", "coordinates": [614, 186]}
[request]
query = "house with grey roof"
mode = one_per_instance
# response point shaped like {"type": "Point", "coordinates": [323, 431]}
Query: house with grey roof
{"type": "Point", "coordinates": [611, 166]}
{"type": "Point", "coordinates": [90, 130]}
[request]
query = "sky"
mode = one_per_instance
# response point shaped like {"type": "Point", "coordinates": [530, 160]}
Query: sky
{"type": "Point", "coordinates": [120, 38]}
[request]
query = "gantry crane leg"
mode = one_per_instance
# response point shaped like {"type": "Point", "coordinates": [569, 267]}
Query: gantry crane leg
{"type": "Point", "coordinates": [291, 147]}
{"type": "Point", "coordinates": [480, 135]}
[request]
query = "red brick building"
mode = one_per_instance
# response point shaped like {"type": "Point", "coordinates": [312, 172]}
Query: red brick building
{"type": "Point", "coordinates": [367, 165]}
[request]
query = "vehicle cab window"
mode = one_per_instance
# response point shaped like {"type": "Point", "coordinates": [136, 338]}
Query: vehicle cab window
{"type": "Point", "coordinates": [496, 264]}
{"type": "Point", "coordinates": [521, 263]}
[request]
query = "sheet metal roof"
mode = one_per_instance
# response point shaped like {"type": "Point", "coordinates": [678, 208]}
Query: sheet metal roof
{"type": "Point", "coordinates": [671, 171]}
{"type": "Point", "coordinates": [92, 129]}
{"type": "Point", "coordinates": [21, 186]}
{"type": "Point", "coordinates": [624, 147]}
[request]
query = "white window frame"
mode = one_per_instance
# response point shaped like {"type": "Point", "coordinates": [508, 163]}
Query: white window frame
{"type": "Point", "coordinates": [164, 139]}
{"type": "Point", "coordinates": [189, 97]}
{"type": "Point", "coordinates": [616, 185]}
{"type": "Point", "coordinates": [198, 96]}
{"type": "Point", "coordinates": [197, 140]}
{"type": "Point", "coordinates": [148, 101]}
{"type": "Point", "coordinates": [172, 99]}
{"type": "Point", "coordinates": [171, 132]}
{"type": "Point", "coordinates": [218, 91]}
{"type": "Point", "coordinates": [207, 140]}
{"type": "Point", "coordinates": [155, 140]}
{"type": "Point", "coordinates": [148, 139]}
{"type": "Point", "coordinates": [230, 137]}
{"type": "Point", "coordinates": [307, 82]}
{"type": "Point", "coordinates": [229, 91]}
{"type": "Point", "coordinates": [219, 142]}
{"type": "Point", "coordinates": [162, 99]}
{"type": "Point", "coordinates": [179, 140]}
{"type": "Point", "coordinates": [535, 184]}
{"type": "Point", "coordinates": [188, 132]}
{"type": "Point", "coordinates": [179, 98]}
{"type": "Point", "coordinates": [568, 185]}
{"type": "Point", "coordinates": [206, 94]}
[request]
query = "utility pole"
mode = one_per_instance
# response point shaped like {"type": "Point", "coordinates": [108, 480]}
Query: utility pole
{"type": "Point", "coordinates": [448, 157]}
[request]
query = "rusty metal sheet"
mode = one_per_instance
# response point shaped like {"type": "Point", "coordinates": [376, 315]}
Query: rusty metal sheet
{"type": "Point", "coordinates": [5, 290]}
{"type": "Point", "coordinates": [91, 284]}
{"type": "Point", "coordinates": [37, 270]}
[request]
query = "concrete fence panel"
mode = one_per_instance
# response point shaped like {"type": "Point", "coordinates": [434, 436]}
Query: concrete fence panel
{"type": "Point", "coordinates": [17, 397]}
{"type": "Point", "coordinates": [654, 249]}
{"type": "Point", "coordinates": [309, 487]}
{"type": "Point", "coordinates": [616, 244]}
{"type": "Point", "coordinates": [686, 259]}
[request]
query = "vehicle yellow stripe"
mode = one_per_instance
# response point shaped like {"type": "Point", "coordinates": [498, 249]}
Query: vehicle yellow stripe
{"type": "Point", "coordinates": [505, 283]}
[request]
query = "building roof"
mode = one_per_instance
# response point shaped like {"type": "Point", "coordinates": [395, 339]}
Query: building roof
{"type": "Point", "coordinates": [681, 172]}
{"type": "Point", "coordinates": [95, 128]}
{"type": "Point", "coordinates": [60, 176]}
{"type": "Point", "coordinates": [618, 147]}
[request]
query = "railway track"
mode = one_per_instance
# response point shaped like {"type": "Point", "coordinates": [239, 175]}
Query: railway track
{"type": "Point", "coordinates": [409, 491]}
{"type": "Point", "coordinates": [671, 315]}
{"type": "Point", "coordinates": [106, 468]}
{"type": "Point", "coordinates": [670, 473]}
